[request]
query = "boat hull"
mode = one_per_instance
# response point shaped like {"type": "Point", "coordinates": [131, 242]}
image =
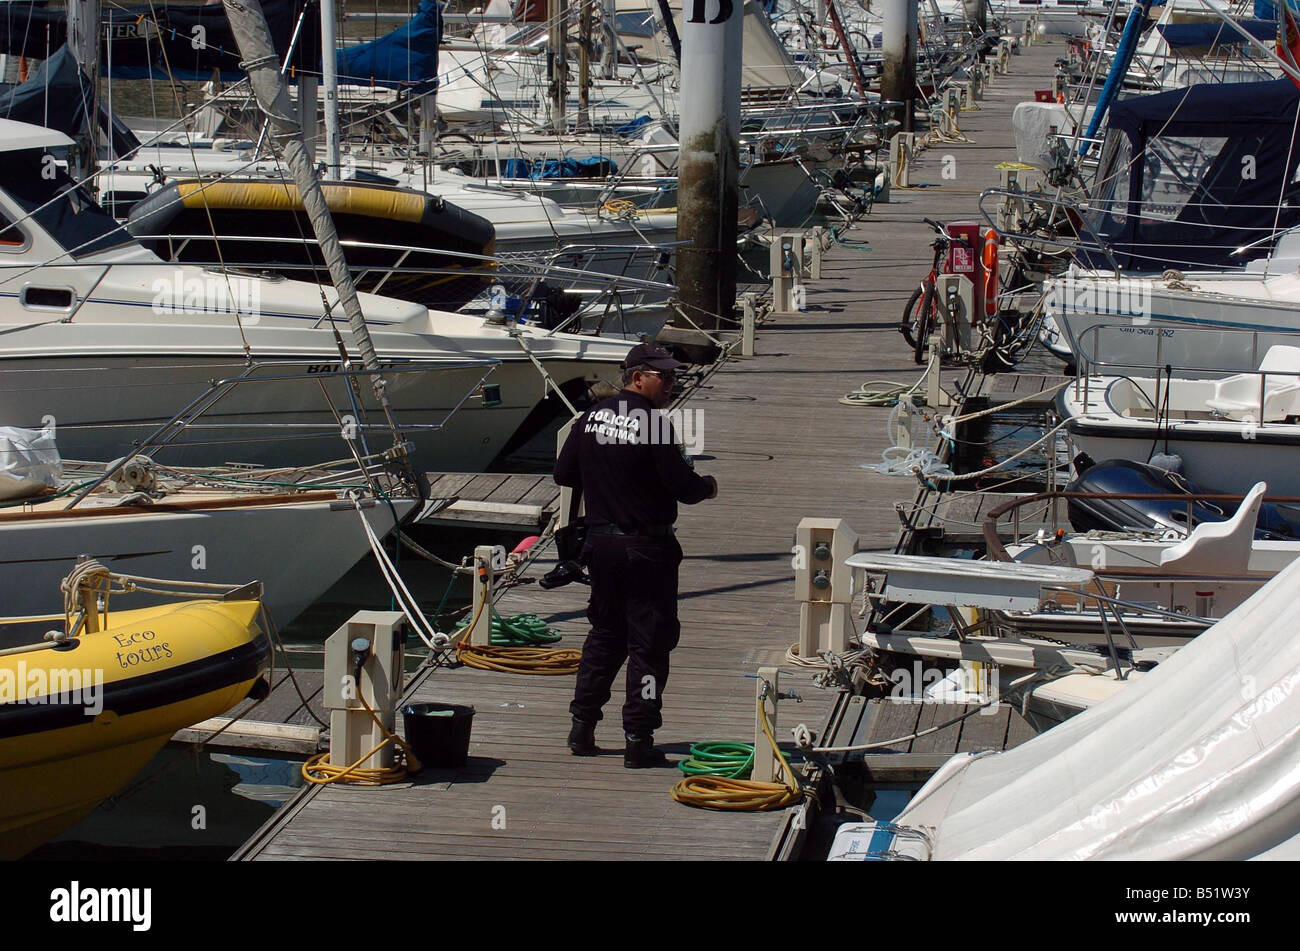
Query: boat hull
{"type": "Point", "coordinates": [1215, 455]}
{"type": "Point", "coordinates": [301, 549]}
{"type": "Point", "coordinates": [60, 758]}
{"type": "Point", "coordinates": [104, 404]}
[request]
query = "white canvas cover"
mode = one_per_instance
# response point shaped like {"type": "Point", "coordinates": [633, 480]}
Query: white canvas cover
{"type": "Point", "coordinates": [1033, 123]}
{"type": "Point", "coordinates": [29, 462]}
{"type": "Point", "coordinates": [1200, 759]}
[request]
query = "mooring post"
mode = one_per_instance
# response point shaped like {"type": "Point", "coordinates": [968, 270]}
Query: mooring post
{"type": "Point", "coordinates": [765, 767]}
{"type": "Point", "coordinates": [900, 158]}
{"type": "Point", "coordinates": [824, 584]}
{"type": "Point", "coordinates": [898, 46]}
{"type": "Point", "coordinates": [785, 263]}
{"type": "Point", "coordinates": [480, 632]}
{"type": "Point", "coordinates": [748, 320]}
{"type": "Point", "coordinates": [818, 238]}
{"type": "Point", "coordinates": [708, 167]}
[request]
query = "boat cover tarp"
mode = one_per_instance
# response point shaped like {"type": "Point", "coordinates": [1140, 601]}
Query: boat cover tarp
{"type": "Point", "coordinates": [58, 95]}
{"type": "Point", "coordinates": [406, 56]}
{"type": "Point", "coordinates": [148, 41]}
{"type": "Point", "coordinates": [29, 462]}
{"type": "Point", "coordinates": [595, 166]}
{"type": "Point", "coordinates": [1200, 759]}
{"type": "Point", "coordinates": [1267, 10]}
{"type": "Point", "coordinates": [1184, 35]}
{"type": "Point", "coordinates": [1237, 191]}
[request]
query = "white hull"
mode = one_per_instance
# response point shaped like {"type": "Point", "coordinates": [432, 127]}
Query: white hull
{"type": "Point", "coordinates": [104, 395]}
{"type": "Point", "coordinates": [296, 549]}
{"type": "Point", "coordinates": [1157, 324]}
{"type": "Point", "coordinates": [1226, 455]}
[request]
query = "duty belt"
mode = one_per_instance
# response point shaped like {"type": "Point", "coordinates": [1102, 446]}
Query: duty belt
{"type": "Point", "coordinates": [649, 531]}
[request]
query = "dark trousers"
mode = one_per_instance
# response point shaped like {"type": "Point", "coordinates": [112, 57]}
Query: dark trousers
{"type": "Point", "coordinates": [633, 614]}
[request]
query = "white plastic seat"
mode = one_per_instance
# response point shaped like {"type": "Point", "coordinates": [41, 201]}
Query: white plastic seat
{"type": "Point", "coordinates": [1219, 548]}
{"type": "Point", "coordinates": [1237, 396]}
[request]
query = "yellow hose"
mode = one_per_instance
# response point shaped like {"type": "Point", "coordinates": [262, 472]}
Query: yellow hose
{"type": "Point", "coordinates": [520, 660]}
{"type": "Point", "coordinates": [543, 661]}
{"type": "Point", "coordinates": [321, 772]}
{"type": "Point", "coordinates": [620, 208]}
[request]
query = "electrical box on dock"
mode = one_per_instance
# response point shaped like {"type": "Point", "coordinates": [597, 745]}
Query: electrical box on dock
{"type": "Point", "coordinates": [364, 666]}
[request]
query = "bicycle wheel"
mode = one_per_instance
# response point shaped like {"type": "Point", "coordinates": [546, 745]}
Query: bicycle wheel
{"type": "Point", "coordinates": [924, 323]}
{"type": "Point", "coordinates": [909, 318]}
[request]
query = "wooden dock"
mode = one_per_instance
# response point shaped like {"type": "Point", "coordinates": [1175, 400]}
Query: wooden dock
{"type": "Point", "coordinates": [916, 757]}
{"type": "Point", "coordinates": [491, 500]}
{"type": "Point", "coordinates": [782, 447]}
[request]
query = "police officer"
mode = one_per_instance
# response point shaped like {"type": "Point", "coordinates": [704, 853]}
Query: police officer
{"type": "Point", "coordinates": [624, 457]}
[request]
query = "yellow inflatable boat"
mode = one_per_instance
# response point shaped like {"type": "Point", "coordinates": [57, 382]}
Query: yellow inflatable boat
{"type": "Point", "coordinates": [79, 719]}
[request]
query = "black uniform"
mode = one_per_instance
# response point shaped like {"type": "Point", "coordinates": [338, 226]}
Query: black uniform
{"type": "Point", "coordinates": [623, 456]}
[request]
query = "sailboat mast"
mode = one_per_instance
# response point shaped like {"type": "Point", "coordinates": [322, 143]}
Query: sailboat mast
{"type": "Point", "coordinates": [263, 67]}
{"type": "Point", "coordinates": [557, 12]}
{"type": "Point", "coordinates": [850, 54]}
{"type": "Point", "coordinates": [83, 40]}
{"type": "Point", "coordinates": [329, 42]}
{"type": "Point", "coordinates": [584, 66]}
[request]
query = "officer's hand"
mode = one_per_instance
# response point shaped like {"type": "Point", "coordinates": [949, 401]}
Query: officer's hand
{"type": "Point", "coordinates": [713, 487]}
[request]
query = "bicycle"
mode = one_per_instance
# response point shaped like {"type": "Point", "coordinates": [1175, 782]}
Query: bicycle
{"type": "Point", "coordinates": [922, 310]}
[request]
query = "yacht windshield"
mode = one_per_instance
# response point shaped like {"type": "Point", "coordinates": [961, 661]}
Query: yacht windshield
{"type": "Point", "coordinates": [1112, 188]}
{"type": "Point", "coordinates": [71, 216]}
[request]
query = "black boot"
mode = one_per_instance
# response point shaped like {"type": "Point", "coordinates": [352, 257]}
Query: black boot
{"type": "Point", "coordinates": [582, 738]}
{"type": "Point", "coordinates": [642, 753]}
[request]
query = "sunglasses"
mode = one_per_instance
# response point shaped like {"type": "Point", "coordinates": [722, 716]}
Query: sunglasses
{"type": "Point", "coordinates": [668, 376]}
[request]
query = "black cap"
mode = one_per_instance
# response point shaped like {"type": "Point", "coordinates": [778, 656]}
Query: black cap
{"type": "Point", "coordinates": [651, 355]}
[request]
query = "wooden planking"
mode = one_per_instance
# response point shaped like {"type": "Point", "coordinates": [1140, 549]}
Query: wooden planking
{"type": "Point", "coordinates": [894, 718]}
{"type": "Point", "coordinates": [520, 502]}
{"type": "Point", "coordinates": [944, 740]}
{"type": "Point", "coordinates": [986, 730]}
{"type": "Point", "coordinates": [782, 447]}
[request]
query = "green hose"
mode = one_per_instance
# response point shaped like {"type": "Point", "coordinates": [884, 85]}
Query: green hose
{"type": "Point", "coordinates": [721, 758]}
{"type": "Point", "coordinates": [725, 759]}
{"type": "Point", "coordinates": [522, 630]}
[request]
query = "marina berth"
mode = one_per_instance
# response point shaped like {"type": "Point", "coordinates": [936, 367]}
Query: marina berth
{"type": "Point", "coordinates": [923, 595]}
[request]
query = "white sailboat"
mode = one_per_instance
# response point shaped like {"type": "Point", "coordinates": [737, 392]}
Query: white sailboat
{"type": "Point", "coordinates": [103, 336]}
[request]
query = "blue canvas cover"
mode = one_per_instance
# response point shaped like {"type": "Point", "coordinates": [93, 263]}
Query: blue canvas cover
{"type": "Point", "coordinates": [406, 57]}
{"type": "Point", "coordinates": [1184, 35]}
{"type": "Point", "coordinates": [595, 166]}
{"type": "Point", "coordinates": [1230, 147]}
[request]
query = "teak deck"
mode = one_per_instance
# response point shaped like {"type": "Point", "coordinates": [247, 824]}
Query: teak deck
{"type": "Point", "coordinates": [782, 447]}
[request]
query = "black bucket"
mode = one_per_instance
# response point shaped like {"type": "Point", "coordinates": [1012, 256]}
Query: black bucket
{"type": "Point", "coordinates": [439, 732]}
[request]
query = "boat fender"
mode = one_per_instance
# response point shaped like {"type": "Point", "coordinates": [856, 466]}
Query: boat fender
{"type": "Point", "coordinates": [1169, 461]}
{"type": "Point", "coordinates": [990, 261]}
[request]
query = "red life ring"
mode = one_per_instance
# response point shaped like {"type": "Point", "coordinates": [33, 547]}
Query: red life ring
{"type": "Point", "coordinates": [990, 261]}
